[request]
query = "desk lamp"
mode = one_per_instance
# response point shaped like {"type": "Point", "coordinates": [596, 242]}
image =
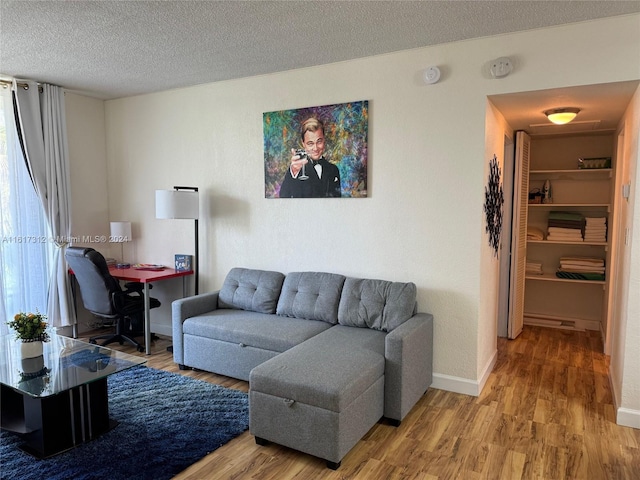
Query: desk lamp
{"type": "Point", "coordinates": [120, 232]}
{"type": "Point", "coordinates": [181, 202]}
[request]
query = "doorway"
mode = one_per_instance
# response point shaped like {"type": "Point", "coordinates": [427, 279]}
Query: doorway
{"type": "Point", "coordinates": [606, 104]}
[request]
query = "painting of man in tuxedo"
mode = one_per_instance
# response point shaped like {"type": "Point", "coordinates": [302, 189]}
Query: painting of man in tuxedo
{"type": "Point", "coordinates": [316, 152]}
{"type": "Point", "coordinates": [310, 173]}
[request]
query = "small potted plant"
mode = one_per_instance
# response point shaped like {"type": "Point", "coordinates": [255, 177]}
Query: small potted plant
{"type": "Point", "coordinates": [31, 330]}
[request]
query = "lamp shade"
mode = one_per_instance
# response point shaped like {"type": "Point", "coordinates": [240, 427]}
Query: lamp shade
{"type": "Point", "coordinates": [120, 232]}
{"type": "Point", "coordinates": [176, 204]}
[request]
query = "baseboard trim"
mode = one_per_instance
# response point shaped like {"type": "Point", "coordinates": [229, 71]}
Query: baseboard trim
{"type": "Point", "coordinates": [487, 371]}
{"type": "Point", "coordinates": [464, 385]}
{"type": "Point", "coordinates": [455, 384]}
{"type": "Point", "coordinates": [162, 330]}
{"type": "Point", "coordinates": [627, 417]}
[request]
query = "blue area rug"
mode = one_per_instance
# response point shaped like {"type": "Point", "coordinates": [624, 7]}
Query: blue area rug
{"type": "Point", "coordinates": [167, 423]}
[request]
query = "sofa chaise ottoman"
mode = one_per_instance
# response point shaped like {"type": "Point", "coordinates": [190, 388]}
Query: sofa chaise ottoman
{"type": "Point", "coordinates": [322, 396]}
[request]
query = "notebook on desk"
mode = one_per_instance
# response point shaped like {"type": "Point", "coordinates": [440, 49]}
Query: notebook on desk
{"type": "Point", "coordinates": [148, 266]}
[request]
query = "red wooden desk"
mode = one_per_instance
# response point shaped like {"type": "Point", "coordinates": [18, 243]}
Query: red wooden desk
{"type": "Point", "coordinates": [146, 277]}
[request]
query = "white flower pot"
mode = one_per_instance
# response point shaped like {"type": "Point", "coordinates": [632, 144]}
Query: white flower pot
{"type": "Point", "coordinates": [31, 349]}
{"type": "Point", "coordinates": [32, 365]}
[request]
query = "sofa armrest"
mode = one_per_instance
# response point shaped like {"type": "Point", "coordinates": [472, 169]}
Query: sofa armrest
{"type": "Point", "coordinates": [185, 308]}
{"type": "Point", "coordinates": [408, 365]}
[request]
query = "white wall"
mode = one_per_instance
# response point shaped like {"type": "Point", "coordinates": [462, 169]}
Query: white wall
{"type": "Point", "coordinates": [88, 159]}
{"type": "Point", "coordinates": [88, 173]}
{"type": "Point", "coordinates": [625, 363]}
{"type": "Point", "coordinates": [423, 219]}
{"type": "Point", "coordinates": [496, 128]}
{"type": "Point", "coordinates": [631, 374]}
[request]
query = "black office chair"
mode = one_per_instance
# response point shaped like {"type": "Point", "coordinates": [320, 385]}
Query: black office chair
{"type": "Point", "coordinates": [103, 296]}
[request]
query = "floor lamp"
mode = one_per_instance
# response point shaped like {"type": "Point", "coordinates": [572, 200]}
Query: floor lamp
{"type": "Point", "coordinates": [181, 202]}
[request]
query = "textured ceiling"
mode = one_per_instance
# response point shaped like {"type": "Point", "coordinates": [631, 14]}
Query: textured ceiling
{"type": "Point", "coordinates": [111, 49]}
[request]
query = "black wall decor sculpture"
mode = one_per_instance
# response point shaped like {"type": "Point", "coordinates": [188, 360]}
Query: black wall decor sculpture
{"type": "Point", "coordinates": [493, 203]}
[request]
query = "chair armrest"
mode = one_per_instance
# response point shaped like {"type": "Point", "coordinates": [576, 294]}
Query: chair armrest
{"type": "Point", "coordinates": [408, 365]}
{"type": "Point", "coordinates": [185, 308]}
{"type": "Point", "coordinates": [118, 301]}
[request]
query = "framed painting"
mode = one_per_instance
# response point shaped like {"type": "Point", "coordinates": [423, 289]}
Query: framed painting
{"type": "Point", "coordinates": [316, 152]}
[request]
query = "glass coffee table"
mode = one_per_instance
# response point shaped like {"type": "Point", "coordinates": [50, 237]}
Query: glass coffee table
{"type": "Point", "coordinates": [59, 399]}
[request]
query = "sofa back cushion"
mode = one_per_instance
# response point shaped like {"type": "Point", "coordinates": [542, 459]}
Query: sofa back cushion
{"type": "Point", "coordinates": [254, 290]}
{"type": "Point", "coordinates": [376, 304]}
{"type": "Point", "coordinates": [311, 295]}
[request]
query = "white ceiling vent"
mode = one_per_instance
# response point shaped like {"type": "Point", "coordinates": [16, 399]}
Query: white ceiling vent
{"type": "Point", "coordinates": [573, 127]}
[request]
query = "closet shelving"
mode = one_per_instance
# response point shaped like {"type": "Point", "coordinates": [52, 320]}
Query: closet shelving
{"type": "Point", "coordinates": [550, 300]}
{"type": "Point", "coordinates": [599, 209]}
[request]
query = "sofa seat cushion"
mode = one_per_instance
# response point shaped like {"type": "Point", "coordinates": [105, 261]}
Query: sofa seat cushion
{"type": "Point", "coordinates": [269, 332]}
{"type": "Point", "coordinates": [377, 304]}
{"type": "Point", "coordinates": [328, 371]}
{"type": "Point", "coordinates": [311, 295]}
{"type": "Point", "coordinates": [253, 290]}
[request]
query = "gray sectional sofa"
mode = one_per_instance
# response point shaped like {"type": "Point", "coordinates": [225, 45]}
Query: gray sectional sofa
{"type": "Point", "coordinates": [326, 356]}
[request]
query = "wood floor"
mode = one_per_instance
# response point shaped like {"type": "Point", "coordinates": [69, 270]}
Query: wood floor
{"type": "Point", "coordinates": [545, 413]}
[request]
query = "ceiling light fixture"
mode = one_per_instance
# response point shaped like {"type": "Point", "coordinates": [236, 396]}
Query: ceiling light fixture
{"type": "Point", "coordinates": [561, 116]}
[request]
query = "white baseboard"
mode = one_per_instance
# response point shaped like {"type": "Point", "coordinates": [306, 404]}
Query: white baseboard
{"type": "Point", "coordinates": [625, 417]}
{"type": "Point", "coordinates": [464, 385]}
{"type": "Point", "coordinates": [628, 418]}
{"type": "Point", "coordinates": [455, 384]}
{"type": "Point", "coordinates": [162, 329]}
{"type": "Point", "coordinates": [487, 371]}
{"type": "Point", "coordinates": [564, 323]}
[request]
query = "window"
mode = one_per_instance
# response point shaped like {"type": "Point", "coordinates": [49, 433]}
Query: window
{"type": "Point", "coordinates": [25, 248]}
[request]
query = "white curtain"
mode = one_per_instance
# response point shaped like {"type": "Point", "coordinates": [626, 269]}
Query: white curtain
{"type": "Point", "coordinates": [42, 126]}
{"type": "Point", "coordinates": [24, 247]}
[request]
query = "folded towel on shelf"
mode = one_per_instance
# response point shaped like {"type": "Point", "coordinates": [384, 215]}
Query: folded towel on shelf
{"type": "Point", "coordinates": [533, 268]}
{"type": "Point", "coordinates": [595, 238]}
{"type": "Point", "coordinates": [563, 238]}
{"type": "Point", "coordinates": [580, 276]}
{"type": "Point", "coordinates": [567, 225]}
{"type": "Point", "coordinates": [565, 233]}
{"type": "Point", "coordinates": [568, 231]}
{"type": "Point", "coordinates": [595, 230]}
{"type": "Point", "coordinates": [595, 234]}
{"type": "Point", "coordinates": [582, 260]}
{"type": "Point", "coordinates": [581, 269]}
{"type": "Point", "coordinates": [578, 263]}
{"type": "Point", "coordinates": [556, 215]}
{"type": "Point", "coordinates": [589, 267]}
{"type": "Point", "coordinates": [535, 234]}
